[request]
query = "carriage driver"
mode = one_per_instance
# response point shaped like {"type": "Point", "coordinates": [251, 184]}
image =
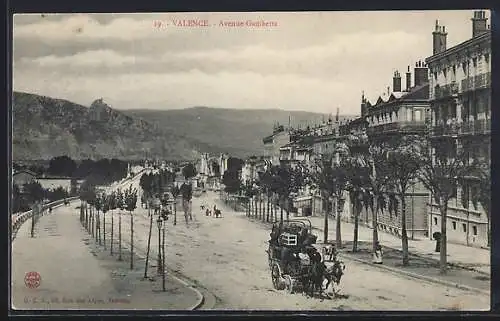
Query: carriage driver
{"type": "Point", "coordinates": [289, 255]}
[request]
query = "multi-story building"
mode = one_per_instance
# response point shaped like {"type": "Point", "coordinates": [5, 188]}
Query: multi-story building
{"type": "Point", "coordinates": [403, 112]}
{"type": "Point", "coordinates": [274, 142]}
{"type": "Point", "coordinates": [299, 150]}
{"type": "Point", "coordinates": [460, 95]}
{"type": "Point", "coordinates": [22, 177]}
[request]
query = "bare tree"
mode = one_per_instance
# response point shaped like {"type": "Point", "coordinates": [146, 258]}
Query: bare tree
{"type": "Point", "coordinates": [331, 177]}
{"type": "Point", "coordinates": [441, 168]}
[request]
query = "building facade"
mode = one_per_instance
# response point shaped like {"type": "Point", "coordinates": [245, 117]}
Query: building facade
{"type": "Point", "coordinates": [460, 96]}
{"type": "Point", "coordinates": [274, 142]}
{"type": "Point", "coordinates": [22, 177]}
{"type": "Point", "coordinates": [403, 112]}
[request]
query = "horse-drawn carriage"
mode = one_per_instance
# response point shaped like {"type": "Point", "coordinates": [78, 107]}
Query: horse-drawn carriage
{"type": "Point", "coordinates": [295, 261]}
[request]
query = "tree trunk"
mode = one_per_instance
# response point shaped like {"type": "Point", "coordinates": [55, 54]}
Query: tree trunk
{"type": "Point", "coordinates": [256, 207]}
{"type": "Point", "coordinates": [175, 210]}
{"type": "Point", "coordinates": [357, 211]}
{"type": "Point", "coordinates": [112, 230]}
{"type": "Point", "coordinates": [92, 222]}
{"type": "Point", "coordinates": [280, 202]}
{"type": "Point", "coordinates": [119, 236]}
{"type": "Point", "coordinates": [131, 241]}
{"type": "Point", "coordinates": [338, 232]}
{"type": "Point", "coordinates": [287, 209]}
{"type": "Point", "coordinates": [260, 206]}
{"type": "Point", "coordinates": [104, 228]}
{"type": "Point", "coordinates": [274, 211]}
{"type": "Point", "coordinates": [325, 226]}
{"type": "Point", "coordinates": [375, 223]}
{"type": "Point", "coordinates": [282, 212]}
{"type": "Point", "coordinates": [268, 207]}
{"type": "Point", "coordinates": [404, 235]}
{"type": "Point", "coordinates": [443, 206]}
{"type": "Point", "coordinates": [97, 227]}
{"type": "Point", "coordinates": [86, 217]}
{"type": "Point", "coordinates": [33, 214]}
{"type": "Point", "coordinates": [488, 227]}
{"type": "Point", "coordinates": [82, 215]}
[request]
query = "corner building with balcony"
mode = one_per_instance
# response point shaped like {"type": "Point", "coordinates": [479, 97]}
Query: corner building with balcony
{"type": "Point", "coordinates": [394, 115]}
{"type": "Point", "coordinates": [460, 97]}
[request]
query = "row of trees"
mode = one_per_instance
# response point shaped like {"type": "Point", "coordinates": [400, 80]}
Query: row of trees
{"type": "Point", "coordinates": [104, 170]}
{"type": "Point", "coordinates": [371, 172]}
{"type": "Point", "coordinates": [155, 186]}
{"type": "Point", "coordinates": [23, 199]}
{"type": "Point", "coordinates": [95, 204]}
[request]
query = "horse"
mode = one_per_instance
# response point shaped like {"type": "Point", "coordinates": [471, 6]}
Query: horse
{"type": "Point", "coordinates": [333, 274]}
{"type": "Point", "coordinates": [315, 276]}
{"type": "Point", "coordinates": [313, 281]}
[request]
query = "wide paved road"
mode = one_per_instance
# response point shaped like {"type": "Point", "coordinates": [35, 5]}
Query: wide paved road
{"type": "Point", "coordinates": [228, 257]}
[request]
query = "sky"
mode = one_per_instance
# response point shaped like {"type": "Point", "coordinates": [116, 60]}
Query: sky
{"type": "Point", "coordinates": [313, 61]}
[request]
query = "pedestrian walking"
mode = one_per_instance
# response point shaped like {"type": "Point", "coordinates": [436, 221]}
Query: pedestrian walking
{"type": "Point", "coordinates": [377, 256]}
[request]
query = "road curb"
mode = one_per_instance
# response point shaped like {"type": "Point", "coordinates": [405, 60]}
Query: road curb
{"type": "Point", "coordinates": [201, 297]}
{"type": "Point", "coordinates": [455, 265]}
{"type": "Point", "coordinates": [416, 276]}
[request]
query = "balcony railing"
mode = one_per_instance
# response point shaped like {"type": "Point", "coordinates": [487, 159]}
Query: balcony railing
{"type": "Point", "coordinates": [446, 90]}
{"type": "Point", "coordinates": [402, 127]}
{"type": "Point", "coordinates": [477, 82]}
{"type": "Point", "coordinates": [475, 127]}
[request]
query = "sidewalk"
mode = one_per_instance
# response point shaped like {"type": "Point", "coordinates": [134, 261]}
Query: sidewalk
{"type": "Point", "coordinates": [476, 259]}
{"type": "Point", "coordinates": [77, 274]}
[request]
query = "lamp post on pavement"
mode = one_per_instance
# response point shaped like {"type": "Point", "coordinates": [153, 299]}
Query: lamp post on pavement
{"type": "Point", "coordinates": [164, 217]}
{"type": "Point", "coordinates": [159, 222]}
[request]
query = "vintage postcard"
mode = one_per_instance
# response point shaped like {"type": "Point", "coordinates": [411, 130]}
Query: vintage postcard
{"type": "Point", "coordinates": [288, 161]}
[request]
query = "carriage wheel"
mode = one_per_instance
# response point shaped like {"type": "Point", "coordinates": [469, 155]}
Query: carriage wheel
{"type": "Point", "coordinates": [289, 283]}
{"type": "Point", "coordinates": [276, 277]}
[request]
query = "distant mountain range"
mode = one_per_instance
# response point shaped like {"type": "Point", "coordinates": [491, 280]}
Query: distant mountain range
{"type": "Point", "coordinates": [45, 127]}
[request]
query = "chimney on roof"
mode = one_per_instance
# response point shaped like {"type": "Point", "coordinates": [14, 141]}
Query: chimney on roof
{"type": "Point", "coordinates": [421, 73]}
{"type": "Point", "coordinates": [438, 39]}
{"type": "Point", "coordinates": [396, 82]}
{"type": "Point", "coordinates": [408, 79]}
{"type": "Point", "coordinates": [479, 23]}
{"type": "Point", "coordinates": [388, 91]}
{"type": "Point", "coordinates": [364, 107]}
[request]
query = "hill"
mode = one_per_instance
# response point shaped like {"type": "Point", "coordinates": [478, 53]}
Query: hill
{"type": "Point", "coordinates": [45, 127]}
{"type": "Point", "coordinates": [231, 128]}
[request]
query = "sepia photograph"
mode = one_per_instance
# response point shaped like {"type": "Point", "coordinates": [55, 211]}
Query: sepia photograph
{"type": "Point", "coordinates": [266, 161]}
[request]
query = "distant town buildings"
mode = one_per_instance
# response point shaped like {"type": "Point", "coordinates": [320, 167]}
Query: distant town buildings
{"type": "Point", "coordinates": [450, 97]}
{"type": "Point", "coordinates": [22, 177]}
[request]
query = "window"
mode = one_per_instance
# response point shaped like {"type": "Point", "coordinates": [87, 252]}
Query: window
{"type": "Point", "coordinates": [435, 221]}
{"type": "Point", "coordinates": [464, 67]}
{"type": "Point", "coordinates": [454, 70]}
{"type": "Point", "coordinates": [474, 230]}
{"type": "Point", "coordinates": [474, 62]}
{"type": "Point", "coordinates": [444, 72]}
{"type": "Point", "coordinates": [418, 115]}
{"type": "Point", "coordinates": [454, 224]}
{"type": "Point", "coordinates": [464, 227]}
{"type": "Point", "coordinates": [487, 57]}
{"type": "Point", "coordinates": [435, 76]}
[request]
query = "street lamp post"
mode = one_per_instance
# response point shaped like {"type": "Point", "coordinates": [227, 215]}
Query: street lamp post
{"type": "Point", "coordinates": [159, 222]}
{"type": "Point", "coordinates": [164, 256]}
